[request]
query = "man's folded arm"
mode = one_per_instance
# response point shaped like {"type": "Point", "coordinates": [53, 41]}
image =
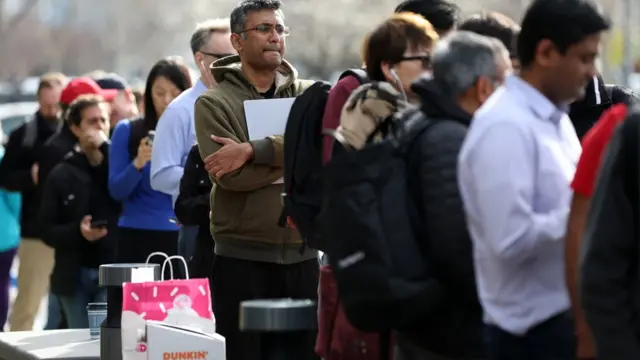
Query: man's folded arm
{"type": "Point", "coordinates": [211, 118]}
{"type": "Point", "coordinates": [268, 151]}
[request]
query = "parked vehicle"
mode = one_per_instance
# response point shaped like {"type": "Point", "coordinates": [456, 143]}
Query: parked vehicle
{"type": "Point", "coordinates": [12, 115]}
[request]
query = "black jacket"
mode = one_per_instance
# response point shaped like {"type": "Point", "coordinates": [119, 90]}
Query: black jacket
{"type": "Point", "coordinates": [192, 204]}
{"type": "Point", "coordinates": [192, 208]}
{"type": "Point", "coordinates": [598, 98]}
{"type": "Point", "coordinates": [55, 150]}
{"type": "Point", "coordinates": [75, 189]}
{"type": "Point", "coordinates": [609, 266]}
{"type": "Point", "coordinates": [456, 331]}
{"type": "Point", "coordinates": [15, 170]}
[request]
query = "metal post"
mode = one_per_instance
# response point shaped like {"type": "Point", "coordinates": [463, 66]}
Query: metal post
{"type": "Point", "coordinates": [286, 327]}
{"type": "Point", "coordinates": [112, 277]}
{"type": "Point", "coordinates": [628, 57]}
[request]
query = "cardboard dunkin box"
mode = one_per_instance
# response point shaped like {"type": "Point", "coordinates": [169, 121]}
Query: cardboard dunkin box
{"type": "Point", "coordinates": [171, 342]}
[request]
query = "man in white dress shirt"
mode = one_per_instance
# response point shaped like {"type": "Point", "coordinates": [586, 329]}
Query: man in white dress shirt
{"type": "Point", "coordinates": [514, 172]}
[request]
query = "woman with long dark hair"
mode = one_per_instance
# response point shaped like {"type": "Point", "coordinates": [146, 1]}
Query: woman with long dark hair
{"type": "Point", "coordinates": [147, 222]}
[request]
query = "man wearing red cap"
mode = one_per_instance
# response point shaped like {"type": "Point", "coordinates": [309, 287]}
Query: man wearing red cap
{"type": "Point", "coordinates": [63, 141]}
{"type": "Point", "coordinates": [83, 86]}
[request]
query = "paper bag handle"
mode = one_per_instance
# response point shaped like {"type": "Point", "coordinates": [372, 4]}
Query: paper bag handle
{"type": "Point", "coordinates": [168, 261]}
{"type": "Point", "coordinates": [166, 257]}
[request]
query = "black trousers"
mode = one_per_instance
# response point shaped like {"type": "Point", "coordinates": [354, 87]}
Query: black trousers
{"type": "Point", "coordinates": [201, 265]}
{"type": "Point", "coordinates": [406, 349]}
{"type": "Point", "coordinates": [237, 280]}
{"type": "Point", "coordinates": [554, 339]}
{"type": "Point", "coordinates": [135, 245]}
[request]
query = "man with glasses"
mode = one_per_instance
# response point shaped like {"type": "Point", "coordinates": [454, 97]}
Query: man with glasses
{"type": "Point", "coordinates": [175, 133]}
{"type": "Point", "coordinates": [255, 258]}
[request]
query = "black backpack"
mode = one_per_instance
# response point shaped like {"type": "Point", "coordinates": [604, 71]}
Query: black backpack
{"type": "Point", "coordinates": [371, 227]}
{"type": "Point", "coordinates": [303, 166]}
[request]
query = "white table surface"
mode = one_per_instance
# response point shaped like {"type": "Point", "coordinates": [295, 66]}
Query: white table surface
{"type": "Point", "coordinates": [50, 344]}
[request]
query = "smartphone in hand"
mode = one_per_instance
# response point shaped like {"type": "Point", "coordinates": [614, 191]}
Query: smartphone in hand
{"type": "Point", "coordinates": [99, 224]}
{"type": "Point", "coordinates": [150, 136]}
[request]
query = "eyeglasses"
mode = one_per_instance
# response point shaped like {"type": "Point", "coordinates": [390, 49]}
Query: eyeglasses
{"type": "Point", "coordinates": [280, 29]}
{"type": "Point", "coordinates": [426, 60]}
{"type": "Point", "coordinates": [216, 55]}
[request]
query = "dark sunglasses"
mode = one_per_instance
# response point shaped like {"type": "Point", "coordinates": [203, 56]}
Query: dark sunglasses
{"type": "Point", "coordinates": [426, 60]}
{"type": "Point", "coordinates": [216, 55]}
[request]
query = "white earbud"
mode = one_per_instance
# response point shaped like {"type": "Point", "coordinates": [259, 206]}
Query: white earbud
{"type": "Point", "coordinates": [394, 74]}
{"type": "Point", "coordinates": [398, 82]}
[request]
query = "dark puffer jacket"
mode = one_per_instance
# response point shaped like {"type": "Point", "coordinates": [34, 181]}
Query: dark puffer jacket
{"type": "Point", "coordinates": [456, 332]}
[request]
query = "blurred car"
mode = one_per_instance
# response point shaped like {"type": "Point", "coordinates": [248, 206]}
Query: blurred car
{"type": "Point", "coordinates": [12, 115]}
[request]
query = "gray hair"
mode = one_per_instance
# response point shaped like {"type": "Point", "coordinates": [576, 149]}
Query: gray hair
{"type": "Point", "coordinates": [239, 14]}
{"type": "Point", "coordinates": [202, 34]}
{"type": "Point", "coordinates": [462, 57]}
{"type": "Point", "coordinates": [500, 50]}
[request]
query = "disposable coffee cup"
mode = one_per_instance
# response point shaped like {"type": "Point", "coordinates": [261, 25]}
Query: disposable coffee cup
{"type": "Point", "coordinates": [97, 313]}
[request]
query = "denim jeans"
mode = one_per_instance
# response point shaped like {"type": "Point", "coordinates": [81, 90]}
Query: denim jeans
{"type": "Point", "coordinates": [88, 291]}
{"type": "Point", "coordinates": [54, 313]}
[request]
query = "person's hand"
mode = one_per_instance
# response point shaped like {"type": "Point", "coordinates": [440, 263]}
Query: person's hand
{"type": "Point", "coordinates": [34, 173]}
{"type": "Point", "coordinates": [90, 234]}
{"type": "Point", "coordinates": [207, 77]}
{"type": "Point", "coordinates": [229, 158]}
{"type": "Point", "coordinates": [95, 138]}
{"type": "Point", "coordinates": [144, 154]}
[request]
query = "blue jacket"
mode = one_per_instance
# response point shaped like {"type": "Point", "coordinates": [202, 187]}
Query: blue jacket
{"type": "Point", "coordinates": [144, 208]}
{"type": "Point", "coordinates": [10, 207]}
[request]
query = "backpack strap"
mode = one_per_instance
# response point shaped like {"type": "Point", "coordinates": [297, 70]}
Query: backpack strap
{"type": "Point", "coordinates": [30, 135]}
{"type": "Point", "coordinates": [359, 74]}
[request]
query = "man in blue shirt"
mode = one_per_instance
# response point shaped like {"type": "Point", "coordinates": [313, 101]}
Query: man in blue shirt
{"type": "Point", "coordinates": [514, 172]}
{"type": "Point", "coordinates": [175, 132]}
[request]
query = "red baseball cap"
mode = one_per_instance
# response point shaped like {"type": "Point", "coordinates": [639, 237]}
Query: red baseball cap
{"type": "Point", "coordinates": [84, 86]}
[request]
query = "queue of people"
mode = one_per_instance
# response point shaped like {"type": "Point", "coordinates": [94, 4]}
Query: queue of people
{"type": "Point", "coordinates": [505, 211]}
